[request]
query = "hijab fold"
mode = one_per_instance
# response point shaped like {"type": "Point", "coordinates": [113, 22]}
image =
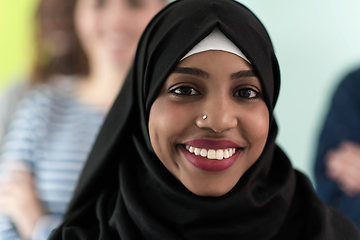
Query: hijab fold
{"type": "Point", "coordinates": [126, 193]}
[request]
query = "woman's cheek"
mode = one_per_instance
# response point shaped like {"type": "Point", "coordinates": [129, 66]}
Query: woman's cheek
{"type": "Point", "coordinates": [256, 124]}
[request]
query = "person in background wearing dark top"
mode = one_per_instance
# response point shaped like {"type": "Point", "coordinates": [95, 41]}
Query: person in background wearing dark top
{"type": "Point", "coordinates": [188, 149]}
{"type": "Point", "coordinates": [337, 165]}
{"type": "Point", "coordinates": [56, 123]}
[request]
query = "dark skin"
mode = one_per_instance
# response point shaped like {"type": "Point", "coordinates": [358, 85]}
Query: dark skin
{"type": "Point", "coordinates": [224, 87]}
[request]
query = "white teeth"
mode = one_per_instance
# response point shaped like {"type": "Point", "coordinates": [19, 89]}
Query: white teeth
{"type": "Point", "coordinates": [191, 149]}
{"type": "Point", "coordinates": [211, 154]}
{"type": "Point", "coordinates": [226, 153]}
{"type": "Point", "coordinates": [203, 152]}
{"type": "Point", "coordinates": [218, 154]}
{"type": "Point", "coordinates": [197, 151]}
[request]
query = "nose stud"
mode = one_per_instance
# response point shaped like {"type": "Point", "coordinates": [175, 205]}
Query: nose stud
{"type": "Point", "coordinates": [204, 117]}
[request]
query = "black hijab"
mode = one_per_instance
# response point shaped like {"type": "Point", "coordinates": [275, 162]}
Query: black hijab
{"type": "Point", "coordinates": [126, 193]}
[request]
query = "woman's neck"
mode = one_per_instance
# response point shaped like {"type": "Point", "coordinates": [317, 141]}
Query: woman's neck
{"type": "Point", "coordinates": [100, 88]}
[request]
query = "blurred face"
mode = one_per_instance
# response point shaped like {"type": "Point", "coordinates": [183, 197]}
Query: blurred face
{"type": "Point", "coordinates": [209, 154]}
{"type": "Point", "coordinates": [111, 29]}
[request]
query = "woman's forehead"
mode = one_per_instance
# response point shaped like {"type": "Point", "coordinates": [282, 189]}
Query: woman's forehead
{"type": "Point", "coordinates": [216, 64]}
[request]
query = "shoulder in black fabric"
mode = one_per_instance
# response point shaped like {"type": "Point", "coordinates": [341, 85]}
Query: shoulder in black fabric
{"type": "Point", "coordinates": [140, 183]}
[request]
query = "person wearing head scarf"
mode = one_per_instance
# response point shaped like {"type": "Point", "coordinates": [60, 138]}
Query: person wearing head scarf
{"type": "Point", "coordinates": [188, 149]}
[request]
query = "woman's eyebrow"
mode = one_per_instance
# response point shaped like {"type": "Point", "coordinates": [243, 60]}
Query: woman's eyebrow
{"type": "Point", "coordinates": [192, 71]}
{"type": "Point", "coordinates": [244, 73]}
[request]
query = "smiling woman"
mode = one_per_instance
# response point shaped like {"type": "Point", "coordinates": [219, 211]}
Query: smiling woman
{"type": "Point", "coordinates": [217, 83]}
{"type": "Point", "coordinates": [188, 149]}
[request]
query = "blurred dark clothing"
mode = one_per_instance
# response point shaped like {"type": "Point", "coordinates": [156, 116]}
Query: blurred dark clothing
{"type": "Point", "coordinates": [342, 123]}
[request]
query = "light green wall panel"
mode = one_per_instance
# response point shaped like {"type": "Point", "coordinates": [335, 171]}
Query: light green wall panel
{"type": "Point", "coordinates": [16, 29]}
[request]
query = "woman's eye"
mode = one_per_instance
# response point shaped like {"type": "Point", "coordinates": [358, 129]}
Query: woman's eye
{"type": "Point", "coordinates": [247, 93]}
{"type": "Point", "coordinates": [135, 4]}
{"type": "Point", "coordinates": [184, 91]}
{"type": "Point", "coordinates": [100, 3]}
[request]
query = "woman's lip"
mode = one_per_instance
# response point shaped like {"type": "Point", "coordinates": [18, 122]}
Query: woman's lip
{"type": "Point", "coordinates": [212, 144]}
{"type": "Point", "coordinates": [209, 165]}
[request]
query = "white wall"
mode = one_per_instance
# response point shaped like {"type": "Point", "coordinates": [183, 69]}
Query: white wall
{"type": "Point", "coordinates": [317, 42]}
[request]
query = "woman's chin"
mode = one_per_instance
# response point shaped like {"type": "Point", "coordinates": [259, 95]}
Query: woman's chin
{"type": "Point", "coordinates": [209, 191]}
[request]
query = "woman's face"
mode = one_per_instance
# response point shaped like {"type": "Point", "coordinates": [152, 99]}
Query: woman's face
{"type": "Point", "coordinates": [112, 28]}
{"type": "Point", "coordinates": [209, 155]}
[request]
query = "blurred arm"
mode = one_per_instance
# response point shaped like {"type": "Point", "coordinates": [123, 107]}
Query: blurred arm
{"type": "Point", "coordinates": [342, 124]}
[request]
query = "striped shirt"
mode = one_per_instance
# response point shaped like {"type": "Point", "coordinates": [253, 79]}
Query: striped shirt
{"type": "Point", "coordinates": [52, 132]}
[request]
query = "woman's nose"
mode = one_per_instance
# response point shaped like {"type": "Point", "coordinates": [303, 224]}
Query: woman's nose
{"type": "Point", "coordinates": [117, 17]}
{"type": "Point", "coordinates": [217, 115]}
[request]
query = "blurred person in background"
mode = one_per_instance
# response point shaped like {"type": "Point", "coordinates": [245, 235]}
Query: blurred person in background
{"type": "Point", "coordinates": [57, 52]}
{"type": "Point", "coordinates": [337, 165]}
{"type": "Point", "coordinates": [85, 49]}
